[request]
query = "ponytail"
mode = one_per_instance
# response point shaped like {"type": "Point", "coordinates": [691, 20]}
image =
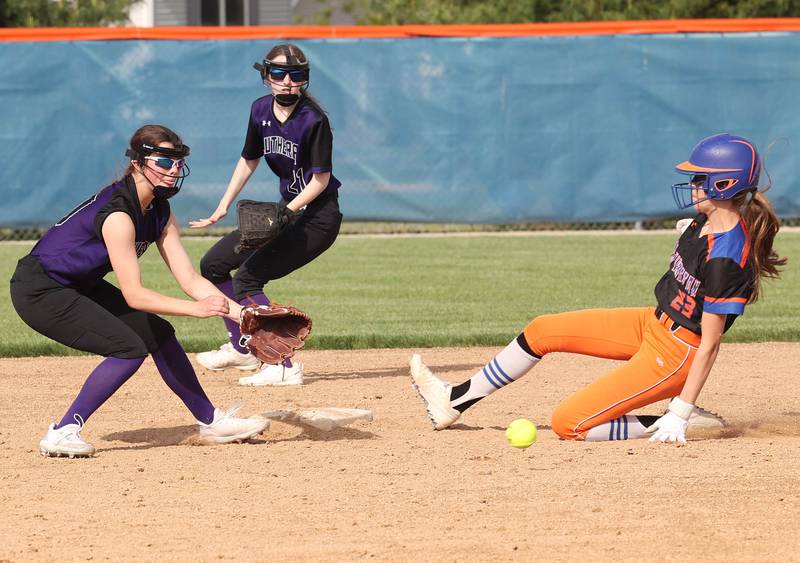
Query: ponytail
{"type": "Point", "coordinates": [762, 226]}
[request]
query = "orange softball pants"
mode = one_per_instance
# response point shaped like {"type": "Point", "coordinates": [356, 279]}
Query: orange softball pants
{"type": "Point", "coordinates": [658, 356]}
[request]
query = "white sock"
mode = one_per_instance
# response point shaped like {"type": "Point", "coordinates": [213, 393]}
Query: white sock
{"type": "Point", "coordinates": [509, 365]}
{"type": "Point", "coordinates": [626, 427]}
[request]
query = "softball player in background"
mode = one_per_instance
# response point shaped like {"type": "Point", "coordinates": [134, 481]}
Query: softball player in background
{"type": "Point", "coordinates": [715, 269]}
{"type": "Point", "coordinates": [291, 132]}
{"type": "Point", "coordinates": [58, 290]}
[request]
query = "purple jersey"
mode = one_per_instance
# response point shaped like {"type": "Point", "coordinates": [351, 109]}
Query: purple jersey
{"type": "Point", "coordinates": [72, 251]}
{"type": "Point", "coordinates": [296, 149]}
{"type": "Point", "coordinates": [712, 273]}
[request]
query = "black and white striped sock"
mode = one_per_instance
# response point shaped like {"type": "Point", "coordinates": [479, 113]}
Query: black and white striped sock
{"type": "Point", "coordinates": [513, 361]}
{"type": "Point", "coordinates": [626, 427]}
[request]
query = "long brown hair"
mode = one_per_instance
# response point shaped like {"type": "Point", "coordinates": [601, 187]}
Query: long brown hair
{"type": "Point", "coordinates": [762, 225]}
{"type": "Point", "coordinates": [151, 135]}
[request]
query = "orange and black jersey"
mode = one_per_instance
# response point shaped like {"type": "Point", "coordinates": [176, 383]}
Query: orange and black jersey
{"type": "Point", "coordinates": [712, 273]}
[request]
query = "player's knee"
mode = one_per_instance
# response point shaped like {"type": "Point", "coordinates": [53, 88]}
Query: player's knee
{"type": "Point", "coordinates": [532, 335]}
{"type": "Point", "coordinates": [243, 287]}
{"type": "Point", "coordinates": [564, 423]}
{"type": "Point", "coordinates": [212, 270]}
{"type": "Point", "coordinates": [116, 341]}
{"type": "Point", "coordinates": [130, 349]}
{"type": "Point", "coordinates": [159, 330]}
{"type": "Point", "coordinates": [164, 341]}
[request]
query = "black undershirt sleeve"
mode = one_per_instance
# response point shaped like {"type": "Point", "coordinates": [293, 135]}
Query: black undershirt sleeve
{"type": "Point", "coordinates": [320, 141]}
{"type": "Point", "coordinates": [253, 142]}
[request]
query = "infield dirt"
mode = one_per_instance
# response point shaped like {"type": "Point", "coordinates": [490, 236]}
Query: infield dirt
{"type": "Point", "coordinates": [393, 489]}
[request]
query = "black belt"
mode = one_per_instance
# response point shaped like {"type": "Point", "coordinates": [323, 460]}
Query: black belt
{"type": "Point", "coordinates": [673, 326]}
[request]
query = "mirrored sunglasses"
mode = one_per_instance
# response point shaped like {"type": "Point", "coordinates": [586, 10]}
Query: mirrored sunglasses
{"type": "Point", "coordinates": [698, 180]}
{"type": "Point", "coordinates": [165, 162]}
{"type": "Point", "coordinates": [278, 74]}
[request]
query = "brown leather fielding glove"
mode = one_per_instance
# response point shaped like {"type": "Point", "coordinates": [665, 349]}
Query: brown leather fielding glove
{"type": "Point", "coordinates": [260, 222]}
{"type": "Point", "coordinates": [274, 332]}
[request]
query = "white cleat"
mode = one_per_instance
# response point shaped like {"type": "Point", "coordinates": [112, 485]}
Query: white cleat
{"type": "Point", "coordinates": [227, 357]}
{"type": "Point", "coordinates": [435, 393]}
{"type": "Point", "coordinates": [701, 418]}
{"type": "Point", "coordinates": [227, 428]}
{"type": "Point", "coordinates": [275, 374]}
{"type": "Point", "coordinates": [66, 441]}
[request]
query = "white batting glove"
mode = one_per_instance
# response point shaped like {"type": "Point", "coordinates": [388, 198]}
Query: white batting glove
{"type": "Point", "coordinates": [682, 225]}
{"type": "Point", "coordinates": [672, 426]}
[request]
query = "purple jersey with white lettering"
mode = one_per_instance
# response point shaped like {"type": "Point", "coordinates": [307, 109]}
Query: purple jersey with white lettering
{"type": "Point", "coordinates": [296, 149]}
{"type": "Point", "coordinates": [72, 251]}
{"type": "Point", "coordinates": [712, 273]}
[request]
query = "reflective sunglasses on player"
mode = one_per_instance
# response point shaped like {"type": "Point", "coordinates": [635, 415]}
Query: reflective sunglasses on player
{"type": "Point", "coordinates": [698, 181]}
{"type": "Point", "coordinates": [165, 162]}
{"type": "Point", "coordinates": [298, 75]}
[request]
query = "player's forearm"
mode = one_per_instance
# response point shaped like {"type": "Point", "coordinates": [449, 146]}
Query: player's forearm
{"type": "Point", "coordinates": [698, 373]}
{"type": "Point", "coordinates": [149, 301]}
{"type": "Point", "coordinates": [241, 174]}
{"type": "Point", "coordinates": [712, 326]}
{"type": "Point", "coordinates": [315, 187]}
{"type": "Point", "coordinates": [197, 287]}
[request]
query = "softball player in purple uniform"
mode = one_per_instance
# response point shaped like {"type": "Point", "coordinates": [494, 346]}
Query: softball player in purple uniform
{"type": "Point", "coordinates": [715, 269]}
{"type": "Point", "coordinates": [58, 290]}
{"type": "Point", "coordinates": [291, 132]}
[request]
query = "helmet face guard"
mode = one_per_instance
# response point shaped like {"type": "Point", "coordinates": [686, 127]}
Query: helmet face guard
{"type": "Point", "coordinates": [274, 73]}
{"type": "Point", "coordinates": [721, 166]}
{"type": "Point", "coordinates": [176, 157]}
{"type": "Point", "coordinates": [683, 192]}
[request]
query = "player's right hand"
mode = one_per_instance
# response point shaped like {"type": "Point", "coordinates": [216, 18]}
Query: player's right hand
{"type": "Point", "coordinates": [216, 216]}
{"type": "Point", "coordinates": [211, 306]}
{"type": "Point", "coordinates": [668, 428]}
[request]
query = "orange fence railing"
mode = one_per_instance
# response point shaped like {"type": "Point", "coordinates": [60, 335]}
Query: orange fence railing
{"type": "Point", "coordinates": [376, 32]}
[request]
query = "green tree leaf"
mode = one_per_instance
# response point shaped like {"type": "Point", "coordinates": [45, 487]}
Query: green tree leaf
{"type": "Point", "coordinates": [400, 12]}
{"type": "Point", "coordinates": [64, 13]}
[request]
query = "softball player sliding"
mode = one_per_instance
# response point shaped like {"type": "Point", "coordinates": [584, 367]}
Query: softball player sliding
{"type": "Point", "coordinates": [58, 290]}
{"type": "Point", "coordinates": [291, 132]}
{"type": "Point", "coordinates": [715, 270]}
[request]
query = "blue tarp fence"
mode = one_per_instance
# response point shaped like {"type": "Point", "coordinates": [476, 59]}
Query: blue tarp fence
{"type": "Point", "coordinates": [473, 130]}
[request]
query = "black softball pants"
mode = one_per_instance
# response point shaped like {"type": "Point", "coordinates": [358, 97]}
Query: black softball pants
{"type": "Point", "coordinates": [96, 320]}
{"type": "Point", "coordinates": [311, 235]}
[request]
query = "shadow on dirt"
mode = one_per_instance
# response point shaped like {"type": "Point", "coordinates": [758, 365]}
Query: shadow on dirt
{"type": "Point", "coordinates": [147, 438]}
{"type": "Point", "coordinates": [383, 372]}
{"type": "Point", "coordinates": [315, 435]}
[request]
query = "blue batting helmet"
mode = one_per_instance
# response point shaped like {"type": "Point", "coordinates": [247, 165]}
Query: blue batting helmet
{"type": "Point", "coordinates": [722, 166]}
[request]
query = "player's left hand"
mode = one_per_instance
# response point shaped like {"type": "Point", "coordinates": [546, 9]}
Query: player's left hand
{"type": "Point", "coordinates": [275, 331]}
{"type": "Point", "coordinates": [218, 215]}
{"type": "Point", "coordinates": [211, 306]}
{"type": "Point", "coordinates": [669, 428]}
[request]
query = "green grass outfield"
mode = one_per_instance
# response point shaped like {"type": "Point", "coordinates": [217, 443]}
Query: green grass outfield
{"type": "Point", "coordinates": [426, 291]}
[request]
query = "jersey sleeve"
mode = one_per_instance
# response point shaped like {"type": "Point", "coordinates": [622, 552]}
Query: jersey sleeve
{"type": "Point", "coordinates": [114, 205]}
{"type": "Point", "coordinates": [253, 142]}
{"type": "Point", "coordinates": [728, 287]}
{"type": "Point", "coordinates": [320, 142]}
